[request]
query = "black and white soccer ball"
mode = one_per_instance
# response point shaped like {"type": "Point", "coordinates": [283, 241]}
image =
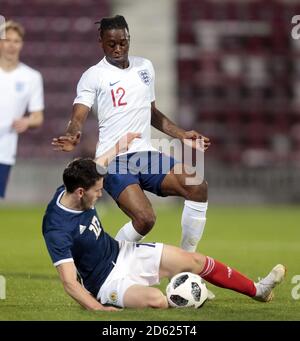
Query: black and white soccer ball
{"type": "Point", "coordinates": [186, 290]}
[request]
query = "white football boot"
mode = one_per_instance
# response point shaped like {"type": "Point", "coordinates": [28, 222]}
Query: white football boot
{"type": "Point", "coordinates": [210, 295]}
{"type": "Point", "coordinates": [264, 288]}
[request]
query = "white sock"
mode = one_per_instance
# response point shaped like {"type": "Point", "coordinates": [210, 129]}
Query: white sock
{"type": "Point", "coordinates": [258, 290]}
{"type": "Point", "coordinates": [128, 232]}
{"type": "Point", "coordinates": [193, 223]}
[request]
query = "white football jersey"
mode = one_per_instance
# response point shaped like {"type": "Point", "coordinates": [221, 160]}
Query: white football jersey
{"type": "Point", "coordinates": [21, 90]}
{"type": "Point", "coordinates": [122, 100]}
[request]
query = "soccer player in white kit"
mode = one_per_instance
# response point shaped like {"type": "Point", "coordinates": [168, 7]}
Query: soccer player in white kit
{"type": "Point", "coordinates": [120, 88]}
{"type": "Point", "coordinates": [21, 91]}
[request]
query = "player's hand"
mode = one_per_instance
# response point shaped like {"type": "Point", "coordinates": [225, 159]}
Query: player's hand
{"type": "Point", "coordinates": [124, 142]}
{"type": "Point", "coordinates": [66, 143]}
{"type": "Point", "coordinates": [21, 125]}
{"type": "Point", "coordinates": [195, 140]}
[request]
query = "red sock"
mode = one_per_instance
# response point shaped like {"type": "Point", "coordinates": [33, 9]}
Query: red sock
{"type": "Point", "coordinates": [223, 276]}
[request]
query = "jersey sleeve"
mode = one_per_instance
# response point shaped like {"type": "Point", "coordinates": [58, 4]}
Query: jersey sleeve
{"type": "Point", "coordinates": [152, 85]}
{"type": "Point", "coordinates": [36, 99]}
{"type": "Point", "coordinates": [87, 88]}
{"type": "Point", "coordinates": [59, 246]}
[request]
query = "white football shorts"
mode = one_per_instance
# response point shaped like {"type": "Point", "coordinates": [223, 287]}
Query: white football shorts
{"type": "Point", "coordinates": [137, 263]}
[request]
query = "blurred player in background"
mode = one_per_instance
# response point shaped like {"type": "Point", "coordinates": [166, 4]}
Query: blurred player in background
{"type": "Point", "coordinates": [21, 91]}
{"type": "Point", "coordinates": [122, 273]}
{"type": "Point", "coordinates": [121, 90]}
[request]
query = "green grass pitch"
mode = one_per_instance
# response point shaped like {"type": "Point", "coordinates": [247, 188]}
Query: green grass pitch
{"type": "Point", "coordinates": [250, 239]}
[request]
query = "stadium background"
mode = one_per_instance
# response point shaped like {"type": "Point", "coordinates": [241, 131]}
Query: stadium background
{"type": "Point", "coordinates": [229, 69]}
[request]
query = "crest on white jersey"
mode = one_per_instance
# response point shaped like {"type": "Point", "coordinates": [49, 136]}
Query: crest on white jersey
{"type": "Point", "coordinates": [20, 86]}
{"type": "Point", "coordinates": [145, 76]}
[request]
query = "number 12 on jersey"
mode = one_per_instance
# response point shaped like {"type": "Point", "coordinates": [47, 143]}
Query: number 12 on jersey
{"type": "Point", "coordinates": [120, 92]}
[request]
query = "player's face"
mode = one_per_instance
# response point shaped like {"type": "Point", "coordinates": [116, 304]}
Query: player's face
{"type": "Point", "coordinates": [115, 44]}
{"type": "Point", "coordinates": [11, 46]}
{"type": "Point", "coordinates": [90, 196]}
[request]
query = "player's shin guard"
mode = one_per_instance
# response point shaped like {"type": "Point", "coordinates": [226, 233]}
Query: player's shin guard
{"type": "Point", "coordinates": [128, 232]}
{"type": "Point", "coordinates": [224, 276]}
{"type": "Point", "coordinates": [193, 223]}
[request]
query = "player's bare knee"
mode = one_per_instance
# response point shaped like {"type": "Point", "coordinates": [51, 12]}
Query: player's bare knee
{"type": "Point", "coordinates": [201, 191]}
{"type": "Point", "coordinates": [157, 299]}
{"type": "Point", "coordinates": [144, 221]}
{"type": "Point", "coordinates": [198, 192]}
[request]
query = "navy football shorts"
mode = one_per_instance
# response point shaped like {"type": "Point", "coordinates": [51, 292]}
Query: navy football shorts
{"type": "Point", "coordinates": [147, 169]}
{"type": "Point", "coordinates": [4, 174]}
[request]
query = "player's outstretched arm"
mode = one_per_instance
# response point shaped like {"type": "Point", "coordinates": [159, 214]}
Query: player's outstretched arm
{"type": "Point", "coordinates": [72, 137]}
{"type": "Point", "coordinates": [68, 275]}
{"type": "Point", "coordinates": [121, 146]}
{"type": "Point", "coordinates": [34, 120]}
{"type": "Point", "coordinates": [162, 123]}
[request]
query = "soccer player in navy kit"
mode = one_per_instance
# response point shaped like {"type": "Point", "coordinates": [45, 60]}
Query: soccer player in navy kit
{"type": "Point", "coordinates": [121, 273]}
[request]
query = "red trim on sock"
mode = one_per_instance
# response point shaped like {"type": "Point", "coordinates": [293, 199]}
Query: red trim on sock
{"type": "Point", "coordinates": [224, 276]}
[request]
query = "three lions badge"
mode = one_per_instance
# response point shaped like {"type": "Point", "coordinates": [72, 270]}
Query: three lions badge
{"type": "Point", "coordinates": [145, 76]}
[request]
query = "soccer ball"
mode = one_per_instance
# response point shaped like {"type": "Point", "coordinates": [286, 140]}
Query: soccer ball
{"type": "Point", "coordinates": [186, 290]}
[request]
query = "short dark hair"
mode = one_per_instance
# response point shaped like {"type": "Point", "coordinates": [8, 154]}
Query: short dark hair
{"type": "Point", "coordinates": [81, 172]}
{"type": "Point", "coordinates": [110, 23]}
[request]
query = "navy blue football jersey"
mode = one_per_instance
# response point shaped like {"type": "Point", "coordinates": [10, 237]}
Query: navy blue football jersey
{"type": "Point", "coordinates": [79, 236]}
